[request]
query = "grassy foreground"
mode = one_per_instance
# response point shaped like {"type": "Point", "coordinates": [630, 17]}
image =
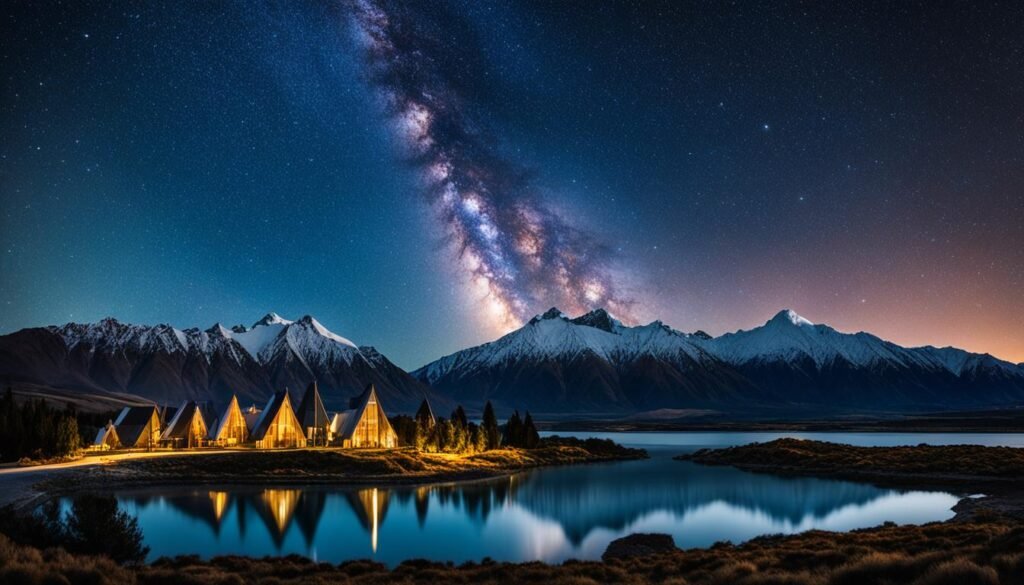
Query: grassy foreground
{"type": "Point", "coordinates": [934, 554]}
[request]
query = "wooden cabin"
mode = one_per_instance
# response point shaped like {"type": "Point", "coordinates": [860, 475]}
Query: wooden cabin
{"type": "Point", "coordinates": [106, 438]}
{"type": "Point", "coordinates": [138, 427]}
{"type": "Point", "coordinates": [231, 427]}
{"type": "Point", "coordinates": [187, 428]}
{"type": "Point", "coordinates": [313, 417]}
{"type": "Point", "coordinates": [277, 426]}
{"type": "Point", "coordinates": [364, 424]}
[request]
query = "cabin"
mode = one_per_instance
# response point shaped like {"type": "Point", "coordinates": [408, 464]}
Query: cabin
{"type": "Point", "coordinates": [138, 427]}
{"type": "Point", "coordinates": [187, 429]}
{"type": "Point", "coordinates": [106, 438]}
{"type": "Point", "coordinates": [313, 417]}
{"type": "Point", "coordinates": [231, 427]}
{"type": "Point", "coordinates": [277, 426]}
{"type": "Point", "coordinates": [425, 415]}
{"type": "Point", "coordinates": [364, 424]}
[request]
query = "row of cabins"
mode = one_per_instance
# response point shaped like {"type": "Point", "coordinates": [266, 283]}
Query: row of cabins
{"type": "Point", "coordinates": [278, 425]}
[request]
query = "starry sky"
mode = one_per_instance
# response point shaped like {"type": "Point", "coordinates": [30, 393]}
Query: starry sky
{"type": "Point", "coordinates": [425, 176]}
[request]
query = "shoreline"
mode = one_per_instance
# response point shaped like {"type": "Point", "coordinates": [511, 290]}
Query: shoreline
{"type": "Point", "coordinates": [313, 467]}
{"type": "Point", "coordinates": [976, 540]}
{"type": "Point", "coordinates": [989, 479]}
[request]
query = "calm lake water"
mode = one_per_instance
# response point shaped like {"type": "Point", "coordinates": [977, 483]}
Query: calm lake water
{"type": "Point", "coordinates": [548, 514]}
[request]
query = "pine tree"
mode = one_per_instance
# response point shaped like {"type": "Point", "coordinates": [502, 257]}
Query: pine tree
{"type": "Point", "coordinates": [531, 438]}
{"type": "Point", "coordinates": [459, 417]}
{"type": "Point", "coordinates": [67, 441]}
{"type": "Point", "coordinates": [490, 427]}
{"type": "Point", "coordinates": [478, 439]}
{"type": "Point", "coordinates": [446, 436]}
{"type": "Point", "coordinates": [514, 431]}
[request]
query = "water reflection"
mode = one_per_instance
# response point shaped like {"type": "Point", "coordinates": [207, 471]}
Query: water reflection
{"type": "Point", "coordinates": [549, 515]}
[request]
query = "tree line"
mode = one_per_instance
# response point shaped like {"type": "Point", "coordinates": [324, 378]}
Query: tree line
{"type": "Point", "coordinates": [36, 430]}
{"type": "Point", "coordinates": [457, 434]}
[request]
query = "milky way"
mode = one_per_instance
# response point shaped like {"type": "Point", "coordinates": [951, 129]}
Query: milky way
{"type": "Point", "coordinates": [520, 255]}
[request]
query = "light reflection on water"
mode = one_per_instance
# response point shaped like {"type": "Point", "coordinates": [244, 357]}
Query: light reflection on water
{"type": "Point", "coordinates": [550, 514]}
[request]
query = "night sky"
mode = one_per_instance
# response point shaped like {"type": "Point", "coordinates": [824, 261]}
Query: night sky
{"type": "Point", "coordinates": [423, 177]}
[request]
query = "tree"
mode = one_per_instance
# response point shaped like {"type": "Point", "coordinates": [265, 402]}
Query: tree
{"type": "Point", "coordinates": [424, 415]}
{"type": "Point", "coordinates": [490, 427]}
{"type": "Point", "coordinates": [97, 526]}
{"type": "Point", "coordinates": [514, 430]}
{"type": "Point", "coordinates": [459, 417]}
{"type": "Point", "coordinates": [477, 439]}
{"type": "Point", "coordinates": [531, 438]}
{"type": "Point", "coordinates": [67, 441]}
{"type": "Point", "coordinates": [446, 436]}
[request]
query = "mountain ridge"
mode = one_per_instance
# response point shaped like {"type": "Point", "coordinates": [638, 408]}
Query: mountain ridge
{"type": "Point", "coordinates": [166, 365]}
{"type": "Point", "coordinates": [788, 362]}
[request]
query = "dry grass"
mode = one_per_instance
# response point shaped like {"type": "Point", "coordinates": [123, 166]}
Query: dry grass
{"type": "Point", "coordinates": [935, 554]}
{"type": "Point", "coordinates": [351, 466]}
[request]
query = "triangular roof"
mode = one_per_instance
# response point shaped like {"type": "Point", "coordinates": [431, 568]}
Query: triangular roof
{"type": "Point", "coordinates": [181, 425]}
{"type": "Point", "coordinates": [425, 410]}
{"type": "Point", "coordinates": [105, 434]}
{"type": "Point", "coordinates": [277, 401]}
{"type": "Point", "coordinates": [350, 418]}
{"type": "Point", "coordinates": [132, 422]}
{"type": "Point", "coordinates": [311, 411]}
{"type": "Point", "coordinates": [218, 429]}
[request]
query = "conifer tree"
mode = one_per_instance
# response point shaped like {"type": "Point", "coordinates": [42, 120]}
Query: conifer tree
{"type": "Point", "coordinates": [531, 438]}
{"type": "Point", "coordinates": [514, 431]}
{"type": "Point", "coordinates": [492, 434]}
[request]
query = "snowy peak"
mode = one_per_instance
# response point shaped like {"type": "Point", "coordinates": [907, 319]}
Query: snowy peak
{"type": "Point", "coordinates": [552, 313]}
{"type": "Point", "coordinates": [308, 322]}
{"type": "Point", "coordinates": [788, 317]}
{"type": "Point", "coordinates": [271, 318]}
{"type": "Point", "coordinates": [599, 319]}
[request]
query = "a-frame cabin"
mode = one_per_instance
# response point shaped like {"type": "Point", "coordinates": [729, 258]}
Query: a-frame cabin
{"type": "Point", "coordinates": [313, 416]}
{"type": "Point", "coordinates": [231, 428]}
{"type": "Point", "coordinates": [187, 429]}
{"type": "Point", "coordinates": [277, 426]}
{"type": "Point", "coordinates": [364, 424]}
{"type": "Point", "coordinates": [138, 427]}
{"type": "Point", "coordinates": [106, 438]}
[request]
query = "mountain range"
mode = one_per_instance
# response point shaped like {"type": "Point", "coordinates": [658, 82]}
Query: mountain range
{"type": "Point", "coordinates": [554, 365]}
{"type": "Point", "coordinates": [594, 363]}
{"type": "Point", "coordinates": [110, 361]}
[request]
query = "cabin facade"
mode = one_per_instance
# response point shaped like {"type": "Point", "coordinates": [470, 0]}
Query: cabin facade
{"type": "Point", "coordinates": [187, 428]}
{"type": "Point", "coordinates": [138, 427]}
{"type": "Point", "coordinates": [364, 424]}
{"type": "Point", "coordinates": [231, 427]}
{"type": "Point", "coordinates": [106, 438]}
{"type": "Point", "coordinates": [313, 417]}
{"type": "Point", "coordinates": [277, 426]}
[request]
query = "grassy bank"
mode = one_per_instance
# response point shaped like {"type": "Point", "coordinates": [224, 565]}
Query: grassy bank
{"type": "Point", "coordinates": [337, 466]}
{"type": "Point", "coordinates": [935, 554]}
{"type": "Point", "coordinates": [951, 464]}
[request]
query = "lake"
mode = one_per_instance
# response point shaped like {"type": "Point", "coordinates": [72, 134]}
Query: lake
{"type": "Point", "coordinates": [547, 514]}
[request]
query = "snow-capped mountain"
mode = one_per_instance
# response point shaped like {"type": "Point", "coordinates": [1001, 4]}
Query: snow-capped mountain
{"type": "Point", "coordinates": [595, 363]}
{"type": "Point", "coordinates": [166, 365]}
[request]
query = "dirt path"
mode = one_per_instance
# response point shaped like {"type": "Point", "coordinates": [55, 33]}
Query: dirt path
{"type": "Point", "coordinates": [17, 483]}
